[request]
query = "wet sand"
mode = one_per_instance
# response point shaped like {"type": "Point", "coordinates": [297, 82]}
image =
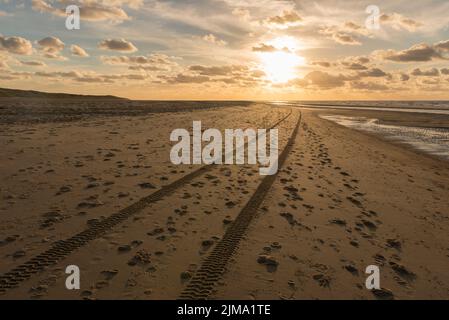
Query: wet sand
{"type": "Point", "coordinates": [342, 200]}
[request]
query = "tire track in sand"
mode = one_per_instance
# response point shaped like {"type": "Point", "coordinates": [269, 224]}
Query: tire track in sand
{"type": "Point", "coordinates": [213, 267]}
{"type": "Point", "coordinates": [63, 248]}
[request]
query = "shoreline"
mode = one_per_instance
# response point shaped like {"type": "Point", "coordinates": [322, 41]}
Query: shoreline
{"type": "Point", "coordinates": [401, 144]}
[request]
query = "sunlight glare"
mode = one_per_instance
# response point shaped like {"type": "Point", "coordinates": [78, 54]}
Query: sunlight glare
{"type": "Point", "coordinates": [281, 66]}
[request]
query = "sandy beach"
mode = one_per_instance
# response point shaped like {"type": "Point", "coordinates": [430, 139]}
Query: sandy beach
{"type": "Point", "coordinates": [101, 193]}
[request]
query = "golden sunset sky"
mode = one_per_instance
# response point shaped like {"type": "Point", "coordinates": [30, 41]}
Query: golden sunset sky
{"type": "Point", "coordinates": [228, 49]}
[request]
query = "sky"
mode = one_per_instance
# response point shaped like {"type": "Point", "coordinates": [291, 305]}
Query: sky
{"type": "Point", "coordinates": [229, 49]}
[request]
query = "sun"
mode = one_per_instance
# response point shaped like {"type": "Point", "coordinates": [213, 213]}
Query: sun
{"type": "Point", "coordinates": [281, 65]}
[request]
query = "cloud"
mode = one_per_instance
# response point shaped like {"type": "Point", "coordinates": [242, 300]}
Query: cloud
{"type": "Point", "coordinates": [43, 6]}
{"type": "Point", "coordinates": [321, 80]}
{"type": "Point", "coordinates": [33, 63]}
{"type": "Point", "coordinates": [324, 64]}
{"type": "Point", "coordinates": [250, 27]}
{"type": "Point", "coordinates": [368, 86]}
{"type": "Point", "coordinates": [443, 45]}
{"type": "Point", "coordinates": [152, 62]}
{"type": "Point", "coordinates": [264, 48]}
{"type": "Point", "coordinates": [51, 48]}
{"type": "Point", "coordinates": [242, 13]}
{"type": "Point", "coordinates": [134, 4]}
{"type": "Point", "coordinates": [357, 63]}
{"type": "Point", "coordinates": [9, 75]}
{"type": "Point", "coordinates": [101, 13]}
{"type": "Point", "coordinates": [417, 53]}
{"type": "Point", "coordinates": [344, 38]}
{"type": "Point", "coordinates": [93, 79]}
{"type": "Point", "coordinates": [51, 44]}
{"type": "Point", "coordinates": [398, 22]}
{"type": "Point", "coordinates": [16, 45]}
{"type": "Point", "coordinates": [285, 20]}
{"type": "Point", "coordinates": [93, 10]}
{"type": "Point", "coordinates": [355, 28]}
{"type": "Point", "coordinates": [78, 51]}
{"type": "Point", "coordinates": [117, 45]}
{"type": "Point", "coordinates": [347, 33]}
{"type": "Point", "coordinates": [431, 82]}
{"type": "Point", "coordinates": [58, 74]}
{"type": "Point", "coordinates": [213, 39]}
{"type": "Point", "coordinates": [182, 78]}
{"type": "Point", "coordinates": [146, 68]}
{"type": "Point", "coordinates": [434, 72]}
{"type": "Point", "coordinates": [218, 70]}
{"type": "Point", "coordinates": [353, 65]}
{"type": "Point", "coordinates": [339, 36]}
{"type": "Point", "coordinates": [373, 73]}
{"type": "Point", "coordinates": [240, 75]}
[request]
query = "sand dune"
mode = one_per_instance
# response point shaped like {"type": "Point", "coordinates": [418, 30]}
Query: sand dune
{"type": "Point", "coordinates": [20, 94]}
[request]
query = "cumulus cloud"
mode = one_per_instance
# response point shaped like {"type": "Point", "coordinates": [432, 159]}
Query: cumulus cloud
{"type": "Point", "coordinates": [285, 20]}
{"type": "Point", "coordinates": [356, 63]}
{"type": "Point", "coordinates": [353, 65]}
{"type": "Point", "coordinates": [117, 45]}
{"type": "Point", "coordinates": [89, 77]}
{"type": "Point", "coordinates": [51, 48]}
{"type": "Point", "coordinates": [355, 28]}
{"type": "Point", "coordinates": [240, 75]}
{"type": "Point", "coordinates": [398, 22]}
{"type": "Point", "coordinates": [339, 36]}
{"type": "Point", "coordinates": [264, 48]}
{"type": "Point", "coordinates": [434, 72]}
{"type": "Point", "coordinates": [93, 10]}
{"type": "Point", "coordinates": [16, 45]}
{"type": "Point", "coordinates": [51, 44]}
{"type": "Point", "coordinates": [78, 51]}
{"type": "Point", "coordinates": [344, 38]}
{"type": "Point", "coordinates": [373, 73]}
{"type": "Point", "coordinates": [213, 39]}
{"type": "Point", "coordinates": [348, 33]}
{"type": "Point", "coordinates": [135, 4]}
{"type": "Point", "coordinates": [442, 45]}
{"type": "Point", "coordinates": [320, 80]}
{"type": "Point", "coordinates": [417, 53]}
{"type": "Point", "coordinates": [250, 27]}
{"type": "Point", "coordinates": [152, 62]}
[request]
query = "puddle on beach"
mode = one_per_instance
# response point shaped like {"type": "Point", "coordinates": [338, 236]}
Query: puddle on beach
{"type": "Point", "coordinates": [430, 140]}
